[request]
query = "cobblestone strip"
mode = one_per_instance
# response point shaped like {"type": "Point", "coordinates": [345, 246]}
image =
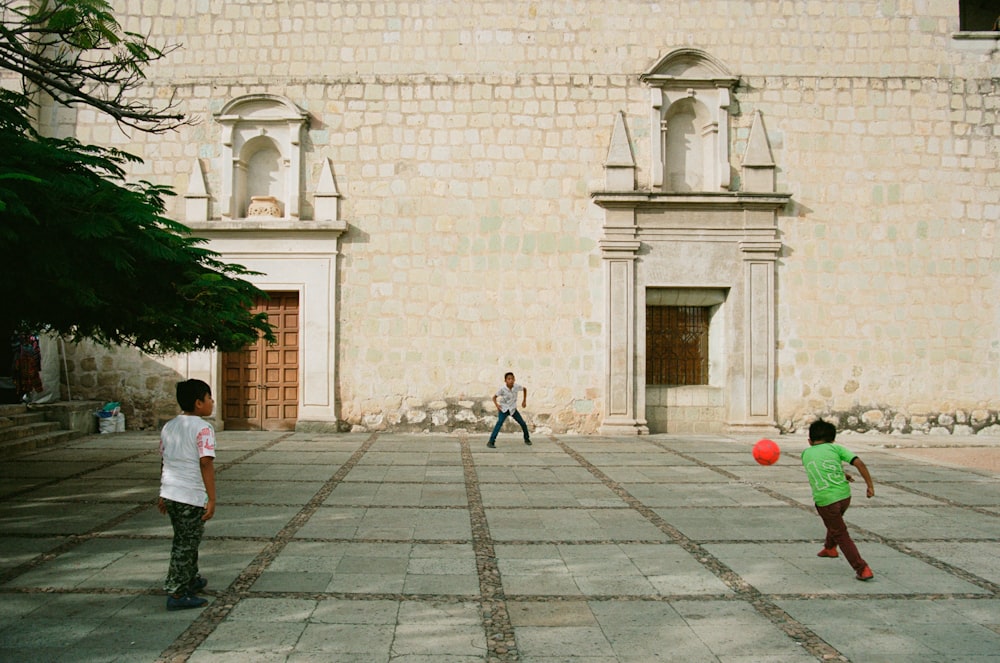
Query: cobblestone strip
{"type": "Point", "coordinates": [500, 642]}
{"type": "Point", "coordinates": [225, 601]}
{"type": "Point", "coordinates": [794, 629]}
{"type": "Point", "coordinates": [971, 578]}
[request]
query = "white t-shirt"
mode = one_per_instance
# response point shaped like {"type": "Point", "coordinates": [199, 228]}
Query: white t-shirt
{"type": "Point", "coordinates": [184, 440]}
{"type": "Point", "coordinates": [507, 398]}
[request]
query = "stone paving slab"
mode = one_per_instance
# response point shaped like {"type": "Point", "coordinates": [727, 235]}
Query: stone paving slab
{"type": "Point", "coordinates": [432, 548]}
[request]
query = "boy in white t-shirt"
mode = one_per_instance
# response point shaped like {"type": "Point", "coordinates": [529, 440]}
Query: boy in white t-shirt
{"type": "Point", "coordinates": [187, 490]}
{"type": "Point", "coordinates": [506, 402]}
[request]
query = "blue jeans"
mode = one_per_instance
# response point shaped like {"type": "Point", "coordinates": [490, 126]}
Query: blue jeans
{"type": "Point", "coordinates": [503, 417]}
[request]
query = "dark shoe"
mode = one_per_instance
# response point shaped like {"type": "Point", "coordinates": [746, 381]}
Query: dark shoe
{"type": "Point", "coordinates": [184, 602]}
{"type": "Point", "coordinates": [491, 445]}
{"type": "Point", "coordinates": [528, 442]}
{"type": "Point", "coordinates": [828, 552]}
{"type": "Point", "coordinates": [865, 573]}
{"type": "Point", "coordinates": [197, 584]}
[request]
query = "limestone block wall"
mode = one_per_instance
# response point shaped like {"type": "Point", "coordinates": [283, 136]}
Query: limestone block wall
{"type": "Point", "coordinates": [889, 270]}
{"type": "Point", "coordinates": [145, 387]}
{"type": "Point", "coordinates": [465, 145]}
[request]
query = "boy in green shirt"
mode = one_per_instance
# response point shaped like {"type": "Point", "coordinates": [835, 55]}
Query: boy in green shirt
{"type": "Point", "coordinates": [831, 492]}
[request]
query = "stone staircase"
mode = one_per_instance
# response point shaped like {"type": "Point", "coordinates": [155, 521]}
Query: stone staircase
{"type": "Point", "coordinates": [24, 428]}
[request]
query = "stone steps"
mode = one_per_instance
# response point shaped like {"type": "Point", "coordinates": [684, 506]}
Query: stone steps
{"type": "Point", "coordinates": [24, 428]}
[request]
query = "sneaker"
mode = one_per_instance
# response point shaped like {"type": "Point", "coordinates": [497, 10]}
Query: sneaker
{"type": "Point", "coordinates": [528, 442]}
{"type": "Point", "coordinates": [828, 552]}
{"type": "Point", "coordinates": [865, 573]}
{"type": "Point", "coordinates": [491, 445]}
{"type": "Point", "coordinates": [184, 602]}
{"type": "Point", "coordinates": [197, 584]}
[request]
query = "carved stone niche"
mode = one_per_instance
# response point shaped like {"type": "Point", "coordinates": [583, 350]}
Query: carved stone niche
{"type": "Point", "coordinates": [690, 98]}
{"type": "Point", "coordinates": [262, 157]}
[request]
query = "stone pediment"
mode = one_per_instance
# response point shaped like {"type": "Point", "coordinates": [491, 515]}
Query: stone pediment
{"type": "Point", "coordinates": [690, 66]}
{"type": "Point", "coordinates": [261, 108]}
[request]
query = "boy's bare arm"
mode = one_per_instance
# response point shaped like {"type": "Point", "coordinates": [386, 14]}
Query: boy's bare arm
{"type": "Point", "coordinates": [495, 404]}
{"type": "Point", "coordinates": [207, 464]}
{"type": "Point", "coordinates": [524, 397]}
{"type": "Point", "coordinates": [863, 470]}
{"type": "Point", "coordinates": [161, 506]}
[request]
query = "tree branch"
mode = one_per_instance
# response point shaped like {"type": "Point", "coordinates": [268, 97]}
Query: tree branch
{"type": "Point", "coordinates": [76, 52]}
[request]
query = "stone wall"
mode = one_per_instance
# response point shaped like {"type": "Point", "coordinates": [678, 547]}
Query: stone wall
{"type": "Point", "coordinates": [144, 387]}
{"type": "Point", "coordinates": [466, 144]}
{"type": "Point", "coordinates": [888, 421]}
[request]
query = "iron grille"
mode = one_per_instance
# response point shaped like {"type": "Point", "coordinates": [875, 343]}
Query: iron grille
{"type": "Point", "coordinates": [677, 345]}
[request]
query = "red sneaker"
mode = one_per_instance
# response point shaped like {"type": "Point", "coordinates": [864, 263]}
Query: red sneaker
{"type": "Point", "coordinates": [828, 552]}
{"type": "Point", "coordinates": [865, 573]}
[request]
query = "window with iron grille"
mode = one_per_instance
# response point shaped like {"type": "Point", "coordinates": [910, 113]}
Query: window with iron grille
{"type": "Point", "coordinates": [677, 345]}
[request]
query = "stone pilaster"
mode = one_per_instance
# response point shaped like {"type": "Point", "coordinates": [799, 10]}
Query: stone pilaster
{"type": "Point", "coordinates": [624, 405]}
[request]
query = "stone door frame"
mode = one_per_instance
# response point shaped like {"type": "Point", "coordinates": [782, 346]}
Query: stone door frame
{"type": "Point", "coordinates": [643, 235]}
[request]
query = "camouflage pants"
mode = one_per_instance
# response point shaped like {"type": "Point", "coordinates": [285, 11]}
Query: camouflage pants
{"type": "Point", "coordinates": [188, 528]}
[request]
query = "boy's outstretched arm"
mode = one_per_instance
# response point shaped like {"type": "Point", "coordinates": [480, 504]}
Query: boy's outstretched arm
{"type": "Point", "coordinates": [863, 470]}
{"type": "Point", "coordinates": [207, 464]}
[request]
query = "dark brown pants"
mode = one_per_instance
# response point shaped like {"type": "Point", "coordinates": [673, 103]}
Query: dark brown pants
{"type": "Point", "coordinates": [837, 534]}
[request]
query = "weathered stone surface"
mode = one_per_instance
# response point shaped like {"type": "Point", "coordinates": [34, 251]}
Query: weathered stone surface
{"type": "Point", "coordinates": [472, 240]}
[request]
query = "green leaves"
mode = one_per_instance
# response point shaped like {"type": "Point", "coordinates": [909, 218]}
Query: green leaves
{"type": "Point", "coordinates": [86, 253]}
{"type": "Point", "coordinates": [89, 255]}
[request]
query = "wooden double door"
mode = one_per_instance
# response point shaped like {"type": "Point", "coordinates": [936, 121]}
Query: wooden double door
{"type": "Point", "coordinates": [260, 384]}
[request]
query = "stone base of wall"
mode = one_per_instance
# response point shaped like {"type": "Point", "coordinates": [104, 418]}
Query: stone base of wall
{"type": "Point", "coordinates": [889, 421]}
{"type": "Point", "coordinates": [456, 416]}
{"type": "Point", "coordinates": [678, 410]}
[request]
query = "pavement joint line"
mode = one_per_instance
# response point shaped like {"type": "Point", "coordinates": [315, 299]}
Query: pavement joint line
{"type": "Point", "coordinates": [886, 596]}
{"type": "Point", "coordinates": [198, 631]}
{"type": "Point", "coordinates": [360, 597]}
{"type": "Point", "coordinates": [73, 541]}
{"type": "Point", "coordinates": [945, 501]}
{"type": "Point", "coordinates": [252, 452]}
{"type": "Point", "coordinates": [77, 475]}
{"type": "Point", "coordinates": [500, 640]}
{"type": "Point", "coordinates": [96, 532]}
{"type": "Point", "coordinates": [799, 632]}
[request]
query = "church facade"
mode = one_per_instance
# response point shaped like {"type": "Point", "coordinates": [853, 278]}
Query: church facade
{"type": "Point", "coordinates": [667, 217]}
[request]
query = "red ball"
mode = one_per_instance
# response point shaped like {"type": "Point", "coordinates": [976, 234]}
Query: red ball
{"type": "Point", "coordinates": [766, 452]}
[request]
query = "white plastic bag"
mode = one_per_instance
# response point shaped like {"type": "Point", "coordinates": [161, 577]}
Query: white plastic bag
{"type": "Point", "coordinates": [114, 424]}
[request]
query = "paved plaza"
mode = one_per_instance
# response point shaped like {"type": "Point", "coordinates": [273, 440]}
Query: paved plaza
{"type": "Point", "coordinates": [433, 548]}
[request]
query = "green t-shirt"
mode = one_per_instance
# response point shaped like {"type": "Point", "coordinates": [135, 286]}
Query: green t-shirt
{"type": "Point", "coordinates": [824, 466]}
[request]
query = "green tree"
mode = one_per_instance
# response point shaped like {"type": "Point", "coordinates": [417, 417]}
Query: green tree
{"type": "Point", "coordinates": [85, 252]}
